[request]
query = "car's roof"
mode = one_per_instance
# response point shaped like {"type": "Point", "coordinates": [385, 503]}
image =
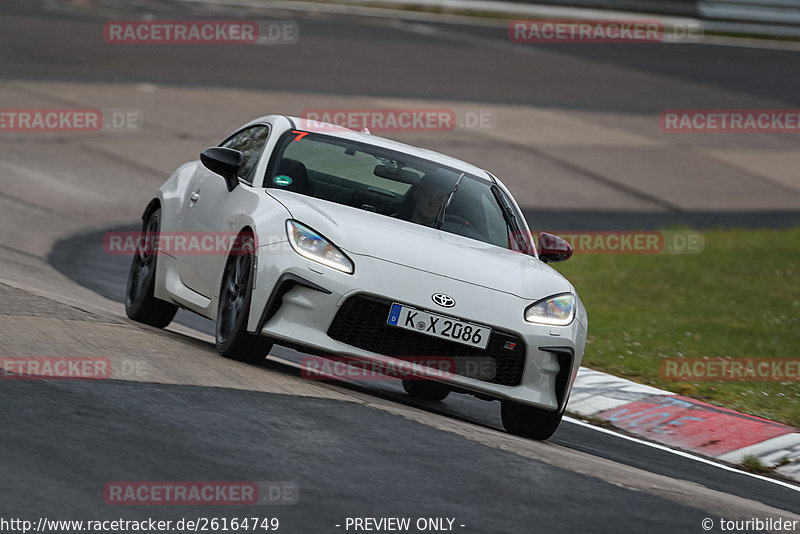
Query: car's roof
{"type": "Point", "coordinates": [368, 138]}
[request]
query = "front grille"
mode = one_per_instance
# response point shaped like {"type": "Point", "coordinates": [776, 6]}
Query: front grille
{"type": "Point", "coordinates": [361, 322]}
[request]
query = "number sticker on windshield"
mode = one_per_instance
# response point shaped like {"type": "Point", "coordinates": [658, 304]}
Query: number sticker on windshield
{"type": "Point", "coordinates": [299, 135]}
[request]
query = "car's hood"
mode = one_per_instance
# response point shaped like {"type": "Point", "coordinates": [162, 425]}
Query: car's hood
{"type": "Point", "coordinates": [360, 232]}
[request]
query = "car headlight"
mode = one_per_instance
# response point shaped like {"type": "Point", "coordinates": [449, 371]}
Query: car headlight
{"type": "Point", "coordinates": [558, 310]}
{"type": "Point", "coordinates": [313, 246]}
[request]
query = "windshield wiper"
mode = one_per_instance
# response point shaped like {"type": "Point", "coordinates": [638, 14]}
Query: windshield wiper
{"type": "Point", "coordinates": [446, 204]}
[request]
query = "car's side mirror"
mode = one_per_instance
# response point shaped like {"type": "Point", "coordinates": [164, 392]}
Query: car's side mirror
{"type": "Point", "coordinates": [553, 249]}
{"type": "Point", "coordinates": [225, 162]}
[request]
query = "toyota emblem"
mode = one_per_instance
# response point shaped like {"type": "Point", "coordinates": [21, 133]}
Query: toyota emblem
{"type": "Point", "coordinates": [445, 301]}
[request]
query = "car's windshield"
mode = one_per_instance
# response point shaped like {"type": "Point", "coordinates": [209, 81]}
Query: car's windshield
{"type": "Point", "coordinates": [396, 185]}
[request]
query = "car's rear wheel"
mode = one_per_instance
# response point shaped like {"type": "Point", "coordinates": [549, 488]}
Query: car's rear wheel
{"type": "Point", "coordinates": [140, 304]}
{"type": "Point", "coordinates": [232, 338]}
{"type": "Point", "coordinates": [426, 389]}
{"type": "Point", "coordinates": [528, 421]}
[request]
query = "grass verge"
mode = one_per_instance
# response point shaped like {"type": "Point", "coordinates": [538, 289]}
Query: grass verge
{"type": "Point", "coordinates": [738, 298]}
{"type": "Point", "coordinates": [754, 464]}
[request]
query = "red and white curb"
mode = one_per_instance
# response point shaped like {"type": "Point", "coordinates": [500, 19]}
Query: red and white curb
{"type": "Point", "coordinates": [685, 423]}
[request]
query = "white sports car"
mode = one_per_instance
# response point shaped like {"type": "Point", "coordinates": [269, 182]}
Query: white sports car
{"type": "Point", "coordinates": [351, 245]}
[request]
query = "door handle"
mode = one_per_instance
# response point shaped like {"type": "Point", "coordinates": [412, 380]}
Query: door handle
{"type": "Point", "coordinates": [194, 197]}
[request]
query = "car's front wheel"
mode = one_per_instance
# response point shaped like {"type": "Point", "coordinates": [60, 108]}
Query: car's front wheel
{"type": "Point", "coordinates": [140, 304]}
{"type": "Point", "coordinates": [232, 338]}
{"type": "Point", "coordinates": [426, 389]}
{"type": "Point", "coordinates": [528, 421]}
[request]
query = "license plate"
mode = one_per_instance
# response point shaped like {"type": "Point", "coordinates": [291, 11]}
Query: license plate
{"type": "Point", "coordinates": [424, 322]}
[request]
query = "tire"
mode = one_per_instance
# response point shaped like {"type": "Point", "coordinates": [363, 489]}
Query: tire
{"type": "Point", "coordinates": [140, 304]}
{"type": "Point", "coordinates": [527, 421]}
{"type": "Point", "coordinates": [232, 339]}
{"type": "Point", "coordinates": [426, 389]}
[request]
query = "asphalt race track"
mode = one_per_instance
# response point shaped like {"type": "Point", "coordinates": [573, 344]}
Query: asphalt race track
{"type": "Point", "coordinates": [354, 449]}
{"type": "Point", "coordinates": [370, 56]}
{"type": "Point", "coordinates": [78, 257]}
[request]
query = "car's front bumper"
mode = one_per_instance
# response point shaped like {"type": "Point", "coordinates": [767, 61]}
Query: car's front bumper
{"type": "Point", "coordinates": [310, 295]}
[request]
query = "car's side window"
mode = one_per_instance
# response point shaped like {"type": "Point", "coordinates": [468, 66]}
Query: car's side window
{"type": "Point", "coordinates": [250, 143]}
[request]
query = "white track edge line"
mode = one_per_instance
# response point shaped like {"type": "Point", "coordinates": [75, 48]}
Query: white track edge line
{"type": "Point", "coordinates": [682, 453]}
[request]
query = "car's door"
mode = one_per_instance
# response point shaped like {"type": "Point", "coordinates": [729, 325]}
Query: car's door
{"type": "Point", "coordinates": [212, 210]}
